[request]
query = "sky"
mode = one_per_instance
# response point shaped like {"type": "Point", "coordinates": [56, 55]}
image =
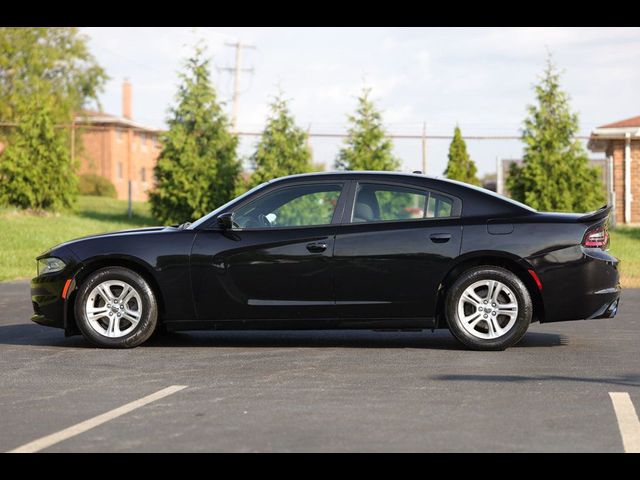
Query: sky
{"type": "Point", "coordinates": [478, 78]}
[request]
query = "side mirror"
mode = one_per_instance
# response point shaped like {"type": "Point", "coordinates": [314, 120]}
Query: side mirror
{"type": "Point", "coordinates": [225, 221]}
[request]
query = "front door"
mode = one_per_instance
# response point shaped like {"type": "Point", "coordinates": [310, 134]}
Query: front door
{"type": "Point", "coordinates": [393, 250]}
{"type": "Point", "coordinates": [276, 263]}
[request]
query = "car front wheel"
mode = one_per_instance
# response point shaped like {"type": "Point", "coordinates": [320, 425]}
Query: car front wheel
{"type": "Point", "coordinates": [116, 308]}
{"type": "Point", "coordinates": [488, 308]}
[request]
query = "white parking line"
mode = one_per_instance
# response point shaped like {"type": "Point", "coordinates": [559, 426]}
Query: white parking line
{"type": "Point", "coordinates": [627, 421]}
{"type": "Point", "coordinates": [82, 427]}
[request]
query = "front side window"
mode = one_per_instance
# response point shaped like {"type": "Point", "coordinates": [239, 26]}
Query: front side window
{"type": "Point", "coordinates": [299, 206]}
{"type": "Point", "coordinates": [375, 203]}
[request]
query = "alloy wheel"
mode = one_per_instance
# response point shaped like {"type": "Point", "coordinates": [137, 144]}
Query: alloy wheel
{"type": "Point", "coordinates": [113, 308]}
{"type": "Point", "coordinates": [487, 309]}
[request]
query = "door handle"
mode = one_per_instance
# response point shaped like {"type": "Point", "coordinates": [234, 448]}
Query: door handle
{"type": "Point", "coordinates": [317, 247]}
{"type": "Point", "coordinates": [440, 237]}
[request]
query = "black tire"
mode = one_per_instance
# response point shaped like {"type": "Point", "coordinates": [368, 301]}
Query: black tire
{"type": "Point", "coordinates": [148, 318]}
{"type": "Point", "coordinates": [517, 287]}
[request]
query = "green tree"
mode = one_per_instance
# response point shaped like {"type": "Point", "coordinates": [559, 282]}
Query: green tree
{"type": "Point", "coordinates": [282, 149]}
{"type": "Point", "coordinates": [49, 61]}
{"type": "Point", "coordinates": [367, 146]}
{"type": "Point", "coordinates": [35, 171]}
{"type": "Point", "coordinates": [197, 169]}
{"type": "Point", "coordinates": [555, 172]}
{"type": "Point", "coordinates": [460, 166]}
{"type": "Point", "coordinates": [46, 75]}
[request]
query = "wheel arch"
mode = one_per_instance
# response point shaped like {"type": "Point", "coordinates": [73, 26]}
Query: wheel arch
{"type": "Point", "coordinates": [96, 263]}
{"type": "Point", "coordinates": [514, 264]}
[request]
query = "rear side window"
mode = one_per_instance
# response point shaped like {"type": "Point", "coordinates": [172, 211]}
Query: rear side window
{"type": "Point", "coordinates": [377, 202]}
{"type": "Point", "coordinates": [439, 206]}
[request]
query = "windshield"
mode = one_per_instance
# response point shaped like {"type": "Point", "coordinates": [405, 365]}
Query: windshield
{"type": "Point", "coordinates": [202, 220]}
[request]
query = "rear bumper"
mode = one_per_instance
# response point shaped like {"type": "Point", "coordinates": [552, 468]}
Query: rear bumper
{"type": "Point", "coordinates": [578, 283]}
{"type": "Point", "coordinates": [608, 310]}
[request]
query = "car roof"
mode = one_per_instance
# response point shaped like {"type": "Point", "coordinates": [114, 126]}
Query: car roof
{"type": "Point", "coordinates": [351, 173]}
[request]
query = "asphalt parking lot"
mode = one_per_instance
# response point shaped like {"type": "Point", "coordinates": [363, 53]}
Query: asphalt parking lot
{"type": "Point", "coordinates": [320, 391]}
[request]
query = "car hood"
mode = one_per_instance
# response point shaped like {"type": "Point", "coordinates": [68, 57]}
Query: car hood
{"type": "Point", "coordinates": [116, 234]}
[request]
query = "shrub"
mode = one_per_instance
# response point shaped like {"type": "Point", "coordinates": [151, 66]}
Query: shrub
{"type": "Point", "coordinates": [92, 184]}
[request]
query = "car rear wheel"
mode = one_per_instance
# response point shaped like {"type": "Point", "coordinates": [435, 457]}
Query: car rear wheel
{"type": "Point", "coordinates": [116, 308]}
{"type": "Point", "coordinates": [488, 308]}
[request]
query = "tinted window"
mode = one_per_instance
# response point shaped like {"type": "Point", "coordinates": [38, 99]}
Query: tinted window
{"type": "Point", "coordinates": [389, 202]}
{"type": "Point", "coordinates": [439, 206]}
{"type": "Point", "coordinates": [300, 206]}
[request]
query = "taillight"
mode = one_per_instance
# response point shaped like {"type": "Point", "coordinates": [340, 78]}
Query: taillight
{"type": "Point", "coordinates": [596, 237]}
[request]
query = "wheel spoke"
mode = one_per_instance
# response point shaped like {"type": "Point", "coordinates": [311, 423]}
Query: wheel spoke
{"type": "Point", "coordinates": [491, 285]}
{"type": "Point", "coordinates": [474, 321]}
{"type": "Point", "coordinates": [105, 292]}
{"type": "Point", "coordinates": [470, 318]}
{"type": "Point", "coordinates": [494, 327]}
{"type": "Point", "coordinates": [132, 315]}
{"type": "Point", "coordinates": [472, 297]}
{"type": "Point", "coordinates": [496, 292]}
{"type": "Point", "coordinates": [126, 294]}
{"type": "Point", "coordinates": [507, 312]}
{"type": "Point", "coordinates": [96, 313]}
{"type": "Point", "coordinates": [113, 330]}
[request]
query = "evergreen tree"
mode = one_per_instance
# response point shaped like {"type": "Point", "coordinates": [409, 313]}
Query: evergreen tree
{"type": "Point", "coordinates": [46, 75]}
{"type": "Point", "coordinates": [366, 147]}
{"type": "Point", "coordinates": [197, 169]}
{"type": "Point", "coordinates": [282, 149]}
{"type": "Point", "coordinates": [555, 173]}
{"type": "Point", "coordinates": [35, 169]}
{"type": "Point", "coordinates": [460, 166]}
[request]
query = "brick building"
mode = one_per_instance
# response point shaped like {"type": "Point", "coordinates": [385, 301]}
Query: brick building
{"type": "Point", "coordinates": [620, 141]}
{"type": "Point", "coordinates": [119, 148]}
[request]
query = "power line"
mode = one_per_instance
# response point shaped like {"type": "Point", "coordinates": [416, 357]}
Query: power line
{"type": "Point", "coordinates": [399, 136]}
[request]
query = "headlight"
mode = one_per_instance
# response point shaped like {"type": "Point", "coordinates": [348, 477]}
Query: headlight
{"type": "Point", "coordinates": [50, 265]}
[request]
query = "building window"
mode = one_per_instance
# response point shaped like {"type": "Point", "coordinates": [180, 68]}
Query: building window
{"type": "Point", "coordinates": [118, 135]}
{"type": "Point", "coordinates": [143, 174]}
{"type": "Point", "coordinates": [120, 170]}
{"type": "Point", "coordinates": [154, 141]}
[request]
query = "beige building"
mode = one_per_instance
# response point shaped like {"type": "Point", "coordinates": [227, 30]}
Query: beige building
{"type": "Point", "coordinates": [620, 142]}
{"type": "Point", "coordinates": [118, 148]}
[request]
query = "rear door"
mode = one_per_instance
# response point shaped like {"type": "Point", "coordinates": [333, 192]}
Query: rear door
{"type": "Point", "coordinates": [393, 248]}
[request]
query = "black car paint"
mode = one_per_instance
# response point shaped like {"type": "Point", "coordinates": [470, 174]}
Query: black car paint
{"type": "Point", "coordinates": [384, 274]}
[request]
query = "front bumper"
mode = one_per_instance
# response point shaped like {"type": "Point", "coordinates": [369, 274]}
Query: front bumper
{"type": "Point", "coordinates": [46, 297]}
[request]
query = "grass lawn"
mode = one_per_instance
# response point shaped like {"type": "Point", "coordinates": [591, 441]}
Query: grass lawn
{"type": "Point", "coordinates": [625, 244]}
{"type": "Point", "coordinates": [23, 236]}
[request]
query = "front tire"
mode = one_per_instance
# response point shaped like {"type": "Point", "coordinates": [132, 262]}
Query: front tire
{"type": "Point", "coordinates": [116, 308]}
{"type": "Point", "coordinates": [488, 308]}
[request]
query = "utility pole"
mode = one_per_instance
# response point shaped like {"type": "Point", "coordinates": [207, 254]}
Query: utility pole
{"type": "Point", "coordinates": [424, 148]}
{"type": "Point", "coordinates": [237, 70]}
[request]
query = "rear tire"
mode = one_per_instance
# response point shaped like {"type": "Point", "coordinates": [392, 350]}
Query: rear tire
{"type": "Point", "coordinates": [488, 308]}
{"type": "Point", "coordinates": [116, 308]}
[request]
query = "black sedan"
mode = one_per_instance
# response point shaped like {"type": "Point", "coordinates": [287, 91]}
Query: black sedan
{"type": "Point", "coordinates": [351, 250]}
